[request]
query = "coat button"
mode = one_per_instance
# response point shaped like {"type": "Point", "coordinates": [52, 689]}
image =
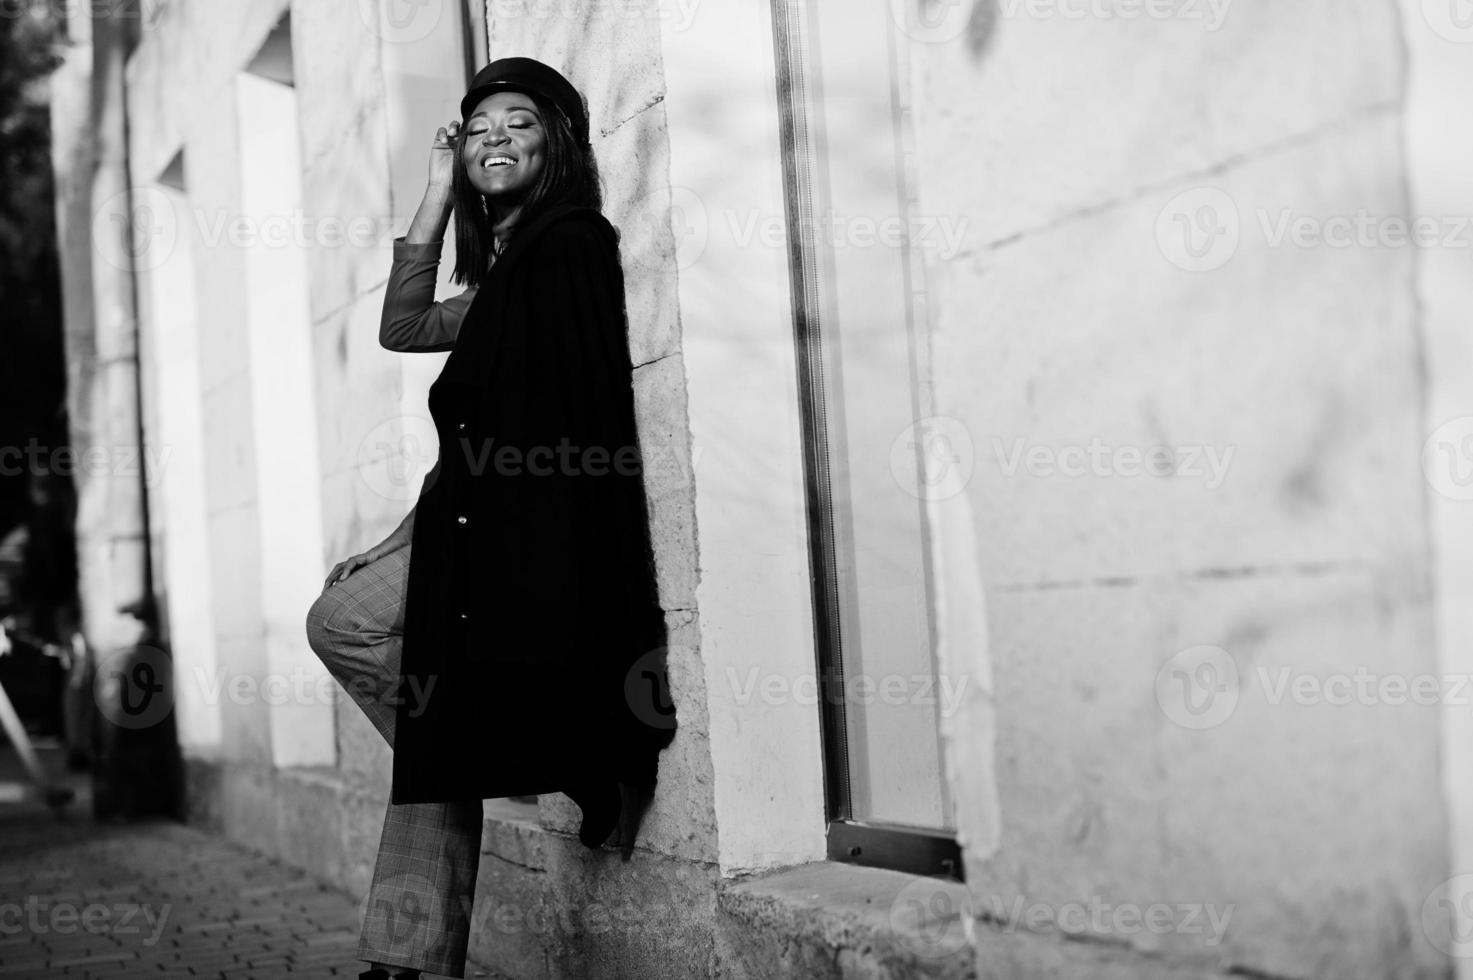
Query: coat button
{"type": "Point", "coordinates": [460, 519]}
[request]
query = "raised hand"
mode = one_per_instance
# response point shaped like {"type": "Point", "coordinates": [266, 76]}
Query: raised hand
{"type": "Point", "coordinates": [442, 155]}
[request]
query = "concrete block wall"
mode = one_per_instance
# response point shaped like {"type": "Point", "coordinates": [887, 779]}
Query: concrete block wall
{"type": "Point", "coordinates": [1082, 149]}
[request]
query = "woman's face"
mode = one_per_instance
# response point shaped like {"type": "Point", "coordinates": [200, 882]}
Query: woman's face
{"type": "Point", "coordinates": [505, 147]}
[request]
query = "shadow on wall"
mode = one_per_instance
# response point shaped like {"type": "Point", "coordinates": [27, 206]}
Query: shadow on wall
{"type": "Point", "coordinates": [981, 24]}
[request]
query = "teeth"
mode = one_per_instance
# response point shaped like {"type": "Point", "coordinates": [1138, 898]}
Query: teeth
{"type": "Point", "coordinates": [498, 161]}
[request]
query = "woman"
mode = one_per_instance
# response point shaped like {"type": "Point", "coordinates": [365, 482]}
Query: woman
{"type": "Point", "coordinates": [507, 638]}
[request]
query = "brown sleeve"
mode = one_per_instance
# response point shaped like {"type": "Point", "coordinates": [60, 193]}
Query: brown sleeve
{"type": "Point", "coordinates": [412, 321]}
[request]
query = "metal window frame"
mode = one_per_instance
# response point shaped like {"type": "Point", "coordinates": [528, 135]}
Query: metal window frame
{"type": "Point", "coordinates": [909, 849]}
{"type": "Point", "coordinates": [475, 32]}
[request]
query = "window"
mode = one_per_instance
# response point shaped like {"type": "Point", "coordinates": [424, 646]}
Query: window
{"type": "Point", "coordinates": [863, 378]}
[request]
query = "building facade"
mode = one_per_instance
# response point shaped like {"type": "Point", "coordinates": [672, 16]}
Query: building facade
{"type": "Point", "coordinates": [1042, 423]}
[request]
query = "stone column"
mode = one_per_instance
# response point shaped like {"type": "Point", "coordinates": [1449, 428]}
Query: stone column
{"type": "Point", "coordinates": [97, 241]}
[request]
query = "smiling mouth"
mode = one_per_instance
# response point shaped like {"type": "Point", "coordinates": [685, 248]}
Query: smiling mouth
{"type": "Point", "coordinates": [494, 162]}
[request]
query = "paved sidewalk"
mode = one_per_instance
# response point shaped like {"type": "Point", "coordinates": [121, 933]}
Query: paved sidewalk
{"type": "Point", "coordinates": [159, 900]}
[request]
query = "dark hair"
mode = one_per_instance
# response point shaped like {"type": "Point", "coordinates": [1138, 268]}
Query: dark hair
{"type": "Point", "coordinates": [569, 176]}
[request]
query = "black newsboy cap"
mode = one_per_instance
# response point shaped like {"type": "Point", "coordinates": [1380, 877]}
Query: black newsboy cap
{"type": "Point", "coordinates": [528, 75]}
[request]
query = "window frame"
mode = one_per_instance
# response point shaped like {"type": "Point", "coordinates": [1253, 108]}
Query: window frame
{"type": "Point", "coordinates": [852, 841]}
{"type": "Point", "coordinates": [476, 35]}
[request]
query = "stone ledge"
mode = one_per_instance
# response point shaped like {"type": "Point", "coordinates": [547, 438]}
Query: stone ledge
{"type": "Point", "coordinates": [512, 833]}
{"type": "Point", "coordinates": [829, 919]}
{"type": "Point", "coordinates": [548, 908]}
{"type": "Point", "coordinates": [834, 920]}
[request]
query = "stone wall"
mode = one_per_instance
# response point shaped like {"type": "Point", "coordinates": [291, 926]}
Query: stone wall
{"type": "Point", "coordinates": [1126, 288]}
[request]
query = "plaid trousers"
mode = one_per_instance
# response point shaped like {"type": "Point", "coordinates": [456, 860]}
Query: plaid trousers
{"type": "Point", "coordinates": [417, 914]}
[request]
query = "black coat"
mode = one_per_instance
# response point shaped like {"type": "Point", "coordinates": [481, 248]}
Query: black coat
{"type": "Point", "coordinates": [533, 635]}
